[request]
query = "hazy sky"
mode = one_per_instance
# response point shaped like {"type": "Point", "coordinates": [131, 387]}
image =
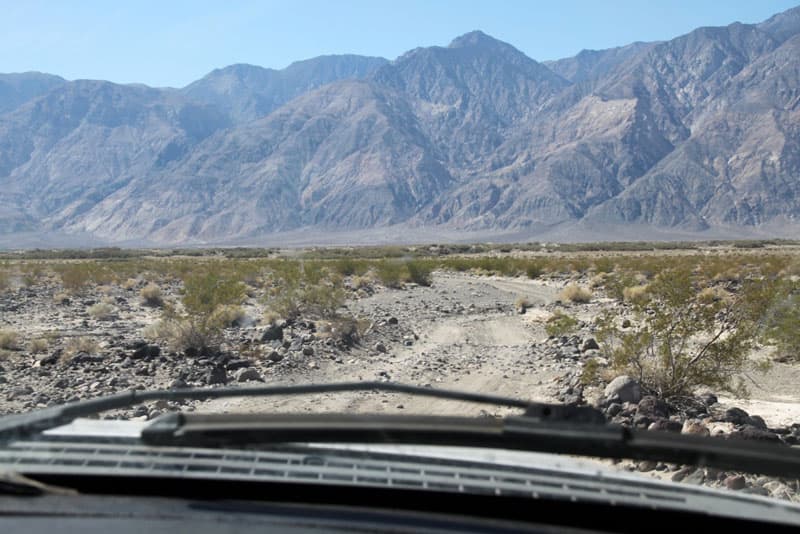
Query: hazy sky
{"type": "Point", "coordinates": [171, 43]}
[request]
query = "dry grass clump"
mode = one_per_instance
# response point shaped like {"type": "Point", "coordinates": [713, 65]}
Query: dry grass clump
{"type": "Point", "coordinates": [38, 345]}
{"type": "Point", "coordinates": [575, 293]}
{"type": "Point", "coordinates": [9, 340]}
{"type": "Point", "coordinates": [229, 315]}
{"type": "Point", "coordinates": [635, 294]}
{"type": "Point", "coordinates": [61, 299]}
{"type": "Point", "coordinates": [151, 295]}
{"type": "Point", "coordinates": [102, 311]}
{"type": "Point", "coordinates": [85, 344]}
{"type": "Point", "coordinates": [712, 294]}
{"type": "Point", "coordinates": [130, 284]}
{"type": "Point", "coordinates": [271, 317]}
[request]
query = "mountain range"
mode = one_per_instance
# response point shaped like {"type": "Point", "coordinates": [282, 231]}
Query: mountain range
{"type": "Point", "coordinates": [695, 135]}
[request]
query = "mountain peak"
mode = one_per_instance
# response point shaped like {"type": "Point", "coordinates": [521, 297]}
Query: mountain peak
{"type": "Point", "coordinates": [477, 38]}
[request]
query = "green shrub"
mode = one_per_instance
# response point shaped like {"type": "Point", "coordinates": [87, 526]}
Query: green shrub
{"type": "Point", "coordinates": [391, 273]}
{"type": "Point", "coordinates": [560, 324]}
{"type": "Point", "coordinates": [419, 272]}
{"type": "Point", "coordinates": [683, 340]}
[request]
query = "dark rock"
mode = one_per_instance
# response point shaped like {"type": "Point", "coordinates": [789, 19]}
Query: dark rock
{"type": "Point", "coordinates": [272, 333]}
{"type": "Point", "coordinates": [590, 344]}
{"type": "Point", "coordinates": [178, 384]}
{"type": "Point", "coordinates": [735, 482]}
{"type": "Point", "coordinates": [758, 422]}
{"type": "Point", "coordinates": [646, 466]}
{"type": "Point", "coordinates": [737, 416]}
{"type": "Point", "coordinates": [698, 477]}
{"type": "Point", "coordinates": [247, 374]}
{"type": "Point", "coordinates": [308, 351]}
{"type": "Point", "coordinates": [666, 425]}
{"type": "Point", "coordinates": [274, 356]}
{"type": "Point", "coordinates": [652, 407]}
{"type": "Point", "coordinates": [613, 409]}
{"type": "Point", "coordinates": [380, 347]}
{"type": "Point", "coordinates": [626, 323]}
{"type": "Point", "coordinates": [83, 358]}
{"type": "Point", "coordinates": [217, 375]}
{"type": "Point", "coordinates": [392, 320]}
{"type": "Point", "coordinates": [682, 473]}
{"type": "Point", "coordinates": [708, 399]}
{"type": "Point", "coordinates": [51, 359]}
{"type": "Point", "coordinates": [146, 352]}
{"type": "Point", "coordinates": [642, 421]}
{"type": "Point", "coordinates": [751, 433]}
{"type": "Point", "coordinates": [237, 364]}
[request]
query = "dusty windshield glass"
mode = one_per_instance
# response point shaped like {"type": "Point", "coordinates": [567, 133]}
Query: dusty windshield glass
{"type": "Point", "coordinates": [612, 227]}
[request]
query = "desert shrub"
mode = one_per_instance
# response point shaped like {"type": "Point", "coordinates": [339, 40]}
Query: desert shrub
{"type": "Point", "coordinates": [204, 293]}
{"type": "Point", "coordinates": [38, 345]}
{"type": "Point", "coordinates": [9, 340]}
{"type": "Point", "coordinates": [228, 315]}
{"type": "Point", "coordinates": [77, 275]}
{"type": "Point", "coordinates": [575, 293]}
{"type": "Point", "coordinates": [560, 324]}
{"type": "Point", "coordinates": [782, 326]}
{"type": "Point", "coordinates": [391, 273]}
{"type": "Point", "coordinates": [419, 272]}
{"type": "Point", "coordinates": [102, 311]}
{"type": "Point", "coordinates": [81, 344]}
{"type": "Point", "coordinates": [682, 341]}
{"type": "Point", "coordinates": [61, 298]}
{"type": "Point", "coordinates": [635, 294]}
{"type": "Point", "coordinates": [151, 295]}
{"type": "Point", "coordinates": [534, 269]}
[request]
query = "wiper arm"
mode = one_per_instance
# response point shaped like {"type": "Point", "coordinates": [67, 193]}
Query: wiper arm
{"type": "Point", "coordinates": [527, 433]}
{"type": "Point", "coordinates": [37, 421]}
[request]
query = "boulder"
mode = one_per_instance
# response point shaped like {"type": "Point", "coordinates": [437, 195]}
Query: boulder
{"type": "Point", "coordinates": [272, 332]}
{"type": "Point", "coordinates": [623, 388]}
{"type": "Point", "coordinates": [246, 374]}
{"type": "Point", "coordinates": [652, 407]}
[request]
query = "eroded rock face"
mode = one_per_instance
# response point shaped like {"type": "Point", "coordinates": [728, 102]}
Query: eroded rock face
{"type": "Point", "coordinates": [691, 133]}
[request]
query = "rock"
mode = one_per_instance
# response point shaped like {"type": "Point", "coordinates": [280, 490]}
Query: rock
{"type": "Point", "coordinates": [313, 365]}
{"type": "Point", "coordinates": [50, 359]}
{"type": "Point", "coordinates": [625, 388]}
{"type": "Point", "coordinates": [682, 473]}
{"type": "Point", "coordinates": [756, 490]}
{"type": "Point", "coordinates": [666, 425]}
{"type": "Point", "coordinates": [247, 374]}
{"type": "Point", "coordinates": [708, 399]}
{"type": "Point", "coordinates": [146, 352]}
{"type": "Point", "coordinates": [380, 347]}
{"type": "Point", "coordinates": [590, 344]}
{"type": "Point", "coordinates": [84, 357]}
{"type": "Point", "coordinates": [274, 356]}
{"type": "Point", "coordinates": [626, 323]}
{"type": "Point", "coordinates": [758, 422]}
{"type": "Point", "coordinates": [217, 375]}
{"type": "Point", "coordinates": [642, 421]}
{"type": "Point", "coordinates": [392, 320]}
{"type": "Point", "coordinates": [751, 433]}
{"type": "Point", "coordinates": [178, 384]}
{"type": "Point", "coordinates": [646, 465]}
{"type": "Point", "coordinates": [695, 427]}
{"type": "Point", "coordinates": [698, 477]}
{"type": "Point", "coordinates": [240, 363]}
{"type": "Point", "coordinates": [737, 416]}
{"type": "Point", "coordinates": [613, 409]}
{"type": "Point", "coordinates": [272, 332]}
{"type": "Point", "coordinates": [308, 351]}
{"type": "Point", "coordinates": [735, 482]}
{"type": "Point", "coordinates": [652, 407]}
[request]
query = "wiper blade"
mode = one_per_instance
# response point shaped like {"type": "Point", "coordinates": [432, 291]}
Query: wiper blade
{"type": "Point", "coordinates": [526, 433]}
{"type": "Point", "coordinates": [37, 421]}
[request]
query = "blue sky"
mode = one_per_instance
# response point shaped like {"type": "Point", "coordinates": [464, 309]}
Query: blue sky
{"type": "Point", "coordinates": [171, 43]}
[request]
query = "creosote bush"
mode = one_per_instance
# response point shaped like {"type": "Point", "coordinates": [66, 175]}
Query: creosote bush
{"type": "Point", "coordinates": [684, 338]}
{"type": "Point", "coordinates": [102, 311]}
{"type": "Point", "coordinates": [38, 345]}
{"type": "Point", "coordinates": [560, 324]}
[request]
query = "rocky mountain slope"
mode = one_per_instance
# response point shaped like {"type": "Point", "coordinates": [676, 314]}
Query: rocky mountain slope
{"type": "Point", "coordinates": [692, 134]}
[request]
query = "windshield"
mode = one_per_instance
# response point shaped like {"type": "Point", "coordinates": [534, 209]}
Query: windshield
{"type": "Point", "coordinates": [610, 228]}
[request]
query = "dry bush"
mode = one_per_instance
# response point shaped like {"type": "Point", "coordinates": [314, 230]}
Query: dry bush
{"type": "Point", "coordinates": [102, 311]}
{"type": "Point", "coordinates": [130, 284]}
{"type": "Point", "coordinates": [575, 293]}
{"type": "Point", "coordinates": [9, 340]}
{"type": "Point", "coordinates": [228, 315]}
{"type": "Point", "coordinates": [85, 344]}
{"type": "Point", "coordinates": [61, 298]}
{"type": "Point", "coordinates": [38, 345]}
{"type": "Point", "coordinates": [635, 294]}
{"type": "Point", "coordinates": [271, 317]}
{"type": "Point", "coordinates": [151, 295]}
{"type": "Point", "coordinates": [597, 280]}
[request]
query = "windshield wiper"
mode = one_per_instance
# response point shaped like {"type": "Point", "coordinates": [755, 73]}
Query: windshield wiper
{"type": "Point", "coordinates": [542, 428]}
